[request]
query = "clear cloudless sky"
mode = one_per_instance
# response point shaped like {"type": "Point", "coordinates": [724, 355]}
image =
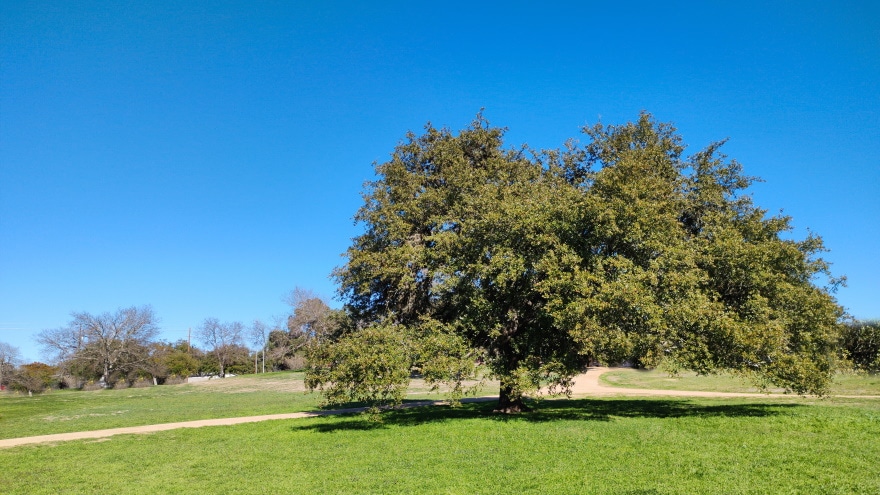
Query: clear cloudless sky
{"type": "Point", "coordinates": [206, 157]}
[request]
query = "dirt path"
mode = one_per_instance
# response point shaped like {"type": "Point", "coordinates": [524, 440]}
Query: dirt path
{"type": "Point", "coordinates": [584, 384]}
{"type": "Point", "coordinates": [84, 435]}
{"type": "Point", "coordinates": [588, 384]}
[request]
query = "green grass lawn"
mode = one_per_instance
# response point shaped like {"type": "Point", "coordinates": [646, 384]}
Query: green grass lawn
{"type": "Point", "coordinates": [62, 411]}
{"type": "Point", "coordinates": [843, 384]}
{"type": "Point", "coordinates": [273, 393]}
{"type": "Point", "coordinates": [595, 446]}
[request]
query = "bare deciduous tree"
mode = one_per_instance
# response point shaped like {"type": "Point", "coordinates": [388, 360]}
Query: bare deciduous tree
{"type": "Point", "coordinates": [9, 356]}
{"type": "Point", "coordinates": [222, 339]}
{"type": "Point", "coordinates": [259, 335]}
{"type": "Point", "coordinates": [310, 318]}
{"type": "Point", "coordinates": [110, 343]}
{"type": "Point", "coordinates": [310, 315]}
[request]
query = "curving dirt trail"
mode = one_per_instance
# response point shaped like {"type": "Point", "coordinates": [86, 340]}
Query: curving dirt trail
{"type": "Point", "coordinates": [588, 384]}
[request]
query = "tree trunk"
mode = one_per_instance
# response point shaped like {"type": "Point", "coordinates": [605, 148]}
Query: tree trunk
{"type": "Point", "coordinates": [508, 403]}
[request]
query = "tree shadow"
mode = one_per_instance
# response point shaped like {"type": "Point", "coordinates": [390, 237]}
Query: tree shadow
{"type": "Point", "coordinates": [553, 410]}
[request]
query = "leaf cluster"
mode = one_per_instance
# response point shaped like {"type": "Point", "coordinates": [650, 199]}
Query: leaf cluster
{"type": "Point", "coordinates": [860, 343]}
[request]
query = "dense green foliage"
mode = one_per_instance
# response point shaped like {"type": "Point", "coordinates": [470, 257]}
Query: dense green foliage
{"type": "Point", "coordinates": [610, 446]}
{"type": "Point", "coordinates": [33, 377]}
{"type": "Point", "coordinates": [860, 341]}
{"type": "Point", "coordinates": [375, 360]}
{"type": "Point", "coordinates": [538, 263]}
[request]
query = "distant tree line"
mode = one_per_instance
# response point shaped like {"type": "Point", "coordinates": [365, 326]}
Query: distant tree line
{"type": "Point", "coordinates": [121, 349]}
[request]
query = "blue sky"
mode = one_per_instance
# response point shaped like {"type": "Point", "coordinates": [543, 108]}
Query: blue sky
{"type": "Point", "coordinates": [207, 157]}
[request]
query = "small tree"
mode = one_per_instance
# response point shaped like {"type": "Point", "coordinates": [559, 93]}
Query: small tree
{"type": "Point", "coordinates": [310, 319]}
{"type": "Point", "coordinates": [9, 357]}
{"type": "Point", "coordinates": [259, 334]}
{"type": "Point", "coordinates": [860, 341]}
{"type": "Point", "coordinates": [281, 349]}
{"type": "Point", "coordinates": [34, 377]}
{"type": "Point", "coordinates": [223, 339]}
{"type": "Point", "coordinates": [310, 316]}
{"type": "Point", "coordinates": [156, 365]}
{"type": "Point", "coordinates": [183, 360]}
{"type": "Point", "coordinates": [239, 362]}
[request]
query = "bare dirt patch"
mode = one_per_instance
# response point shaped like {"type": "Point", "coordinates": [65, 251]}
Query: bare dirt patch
{"type": "Point", "coordinates": [294, 383]}
{"type": "Point", "coordinates": [78, 416]}
{"type": "Point", "coordinates": [418, 386]}
{"type": "Point", "coordinates": [244, 384]}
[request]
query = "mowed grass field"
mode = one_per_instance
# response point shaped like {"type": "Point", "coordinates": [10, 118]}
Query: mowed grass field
{"type": "Point", "coordinates": [602, 446]}
{"type": "Point", "coordinates": [63, 411]}
{"type": "Point", "coordinates": [658, 379]}
{"type": "Point", "coordinates": [609, 446]}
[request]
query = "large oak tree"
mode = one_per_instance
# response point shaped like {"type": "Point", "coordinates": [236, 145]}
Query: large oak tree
{"type": "Point", "coordinates": [539, 263]}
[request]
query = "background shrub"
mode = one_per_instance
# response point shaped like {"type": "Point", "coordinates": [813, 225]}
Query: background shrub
{"type": "Point", "coordinates": [34, 378]}
{"type": "Point", "coordinates": [174, 380]}
{"type": "Point", "coordinates": [860, 342]}
{"type": "Point", "coordinates": [142, 383]}
{"type": "Point", "coordinates": [294, 363]}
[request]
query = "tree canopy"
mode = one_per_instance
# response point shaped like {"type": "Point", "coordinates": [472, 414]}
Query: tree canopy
{"type": "Point", "coordinates": [224, 339]}
{"type": "Point", "coordinates": [538, 263]}
{"type": "Point", "coordinates": [9, 357]}
{"type": "Point", "coordinates": [111, 345]}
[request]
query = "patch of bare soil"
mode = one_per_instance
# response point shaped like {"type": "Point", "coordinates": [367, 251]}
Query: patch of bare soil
{"type": "Point", "coordinates": [418, 386]}
{"type": "Point", "coordinates": [249, 383]}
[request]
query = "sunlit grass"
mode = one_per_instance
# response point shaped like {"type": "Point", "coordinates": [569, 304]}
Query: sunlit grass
{"type": "Point", "coordinates": [62, 411]}
{"type": "Point", "coordinates": [659, 379]}
{"type": "Point", "coordinates": [596, 446]}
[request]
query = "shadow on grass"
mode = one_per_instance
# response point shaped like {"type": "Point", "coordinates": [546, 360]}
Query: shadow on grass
{"type": "Point", "coordinates": [552, 410]}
